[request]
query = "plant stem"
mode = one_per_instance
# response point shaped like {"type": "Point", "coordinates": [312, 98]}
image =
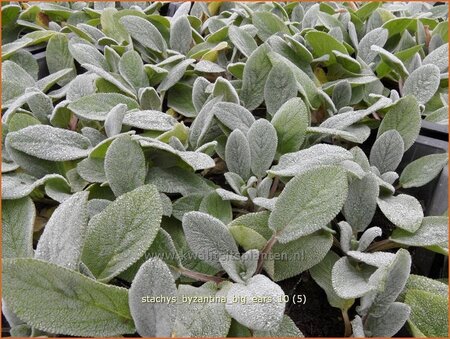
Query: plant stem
{"type": "Point", "coordinates": [199, 276]}
{"type": "Point", "coordinates": [337, 244]}
{"type": "Point", "coordinates": [385, 244]}
{"type": "Point", "coordinates": [240, 210]}
{"type": "Point", "coordinates": [274, 187]}
{"type": "Point", "coordinates": [427, 36]}
{"type": "Point", "coordinates": [353, 5]}
{"type": "Point", "coordinates": [348, 325]}
{"type": "Point", "coordinates": [266, 250]}
{"type": "Point", "coordinates": [400, 86]}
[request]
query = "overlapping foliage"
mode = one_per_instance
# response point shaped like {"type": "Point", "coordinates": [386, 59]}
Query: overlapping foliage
{"type": "Point", "coordinates": [184, 156]}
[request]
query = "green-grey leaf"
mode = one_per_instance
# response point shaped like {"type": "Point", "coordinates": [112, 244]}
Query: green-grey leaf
{"type": "Point", "coordinates": [181, 35]}
{"type": "Point", "coordinates": [206, 66]}
{"type": "Point", "coordinates": [149, 120]}
{"type": "Point", "coordinates": [233, 266]}
{"type": "Point", "coordinates": [389, 323]}
{"type": "Point", "coordinates": [131, 68]}
{"type": "Point", "coordinates": [323, 44]}
{"type": "Point", "coordinates": [429, 314]}
{"type": "Point", "coordinates": [439, 116]}
{"type": "Point", "coordinates": [421, 171]}
{"type": "Point", "coordinates": [97, 106]}
{"type": "Point", "coordinates": [237, 154]}
{"type": "Point", "coordinates": [349, 282]}
{"type": "Point", "coordinates": [223, 88]}
{"type": "Point", "coordinates": [27, 61]}
{"type": "Point", "coordinates": [58, 56]}
{"type": "Point", "coordinates": [439, 58]}
{"type": "Point", "coordinates": [262, 139]}
{"type": "Point", "coordinates": [214, 205]}
{"type": "Point", "coordinates": [404, 117]}
{"type": "Point", "coordinates": [177, 180]}
{"type": "Point", "coordinates": [19, 185]}
{"type": "Point", "coordinates": [202, 124]}
{"type": "Point", "coordinates": [309, 202]}
{"type": "Point", "coordinates": [233, 116]}
{"type": "Point", "coordinates": [95, 309]}
{"type": "Point", "coordinates": [404, 211]}
{"type": "Point", "coordinates": [49, 143]}
{"type": "Point", "coordinates": [343, 120]}
{"type": "Point", "coordinates": [295, 163]}
{"type": "Point", "coordinates": [174, 75]}
{"type": "Point", "coordinates": [346, 235]}
{"type": "Point", "coordinates": [342, 94]}
{"type": "Point", "coordinates": [286, 329]}
{"type": "Point", "coordinates": [242, 40]}
{"type": "Point", "coordinates": [321, 273]}
{"type": "Point", "coordinates": [46, 83]}
{"type": "Point", "coordinates": [114, 119]}
{"type": "Point", "coordinates": [432, 231]}
{"type": "Point", "coordinates": [392, 61]}
{"type": "Point", "coordinates": [131, 223]}
{"type": "Point", "coordinates": [418, 282]}
{"type": "Point", "coordinates": [144, 32]}
{"type": "Point", "coordinates": [423, 83]}
{"type": "Point", "coordinates": [387, 151]}
{"type": "Point", "coordinates": [268, 24]}
{"type": "Point", "coordinates": [367, 237]}
{"type": "Point", "coordinates": [111, 26]}
{"type": "Point", "coordinates": [250, 263]}
{"type": "Point", "coordinates": [199, 94]}
{"type": "Point", "coordinates": [17, 228]}
{"type": "Point", "coordinates": [250, 230]}
{"type": "Point", "coordinates": [280, 86]}
{"type": "Point", "coordinates": [361, 203]}
{"type": "Point", "coordinates": [14, 82]}
{"type": "Point", "coordinates": [392, 283]}
{"type": "Point", "coordinates": [85, 53]}
{"type": "Point", "coordinates": [376, 259]}
{"type": "Point", "coordinates": [190, 159]}
{"type": "Point", "coordinates": [111, 79]}
{"type": "Point", "coordinates": [228, 195]}
{"type": "Point", "coordinates": [92, 170]}
{"type": "Point", "coordinates": [256, 71]}
{"type": "Point", "coordinates": [62, 241]}
{"type": "Point", "coordinates": [299, 255]}
{"type": "Point", "coordinates": [357, 134]}
{"type": "Point", "coordinates": [208, 319]}
{"type": "Point", "coordinates": [10, 48]}
{"type": "Point", "coordinates": [153, 319]}
{"type": "Point", "coordinates": [290, 122]}
{"type": "Point", "coordinates": [358, 327]}
{"type": "Point", "coordinates": [186, 204]}
{"type": "Point", "coordinates": [40, 104]}
{"type": "Point", "coordinates": [262, 316]}
{"type": "Point", "coordinates": [208, 237]}
{"type": "Point", "coordinates": [123, 178]}
{"type": "Point", "coordinates": [82, 85]}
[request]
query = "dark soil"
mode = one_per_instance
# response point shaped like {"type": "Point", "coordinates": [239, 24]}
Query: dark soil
{"type": "Point", "coordinates": [316, 318]}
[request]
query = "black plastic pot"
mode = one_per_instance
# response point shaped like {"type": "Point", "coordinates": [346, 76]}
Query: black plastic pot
{"type": "Point", "coordinates": [434, 199]}
{"type": "Point", "coordinates": [433, 130]}
{"type": "Point", "coordinates": [42, 63]}
{"type": "Point", "coordinates": [433, 195]}
{"type": "Point", "coordinates": [36, 48]}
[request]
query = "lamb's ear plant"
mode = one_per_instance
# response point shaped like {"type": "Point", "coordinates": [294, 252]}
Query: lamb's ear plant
{"type": "Point", "coordinates": [168, 174]}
